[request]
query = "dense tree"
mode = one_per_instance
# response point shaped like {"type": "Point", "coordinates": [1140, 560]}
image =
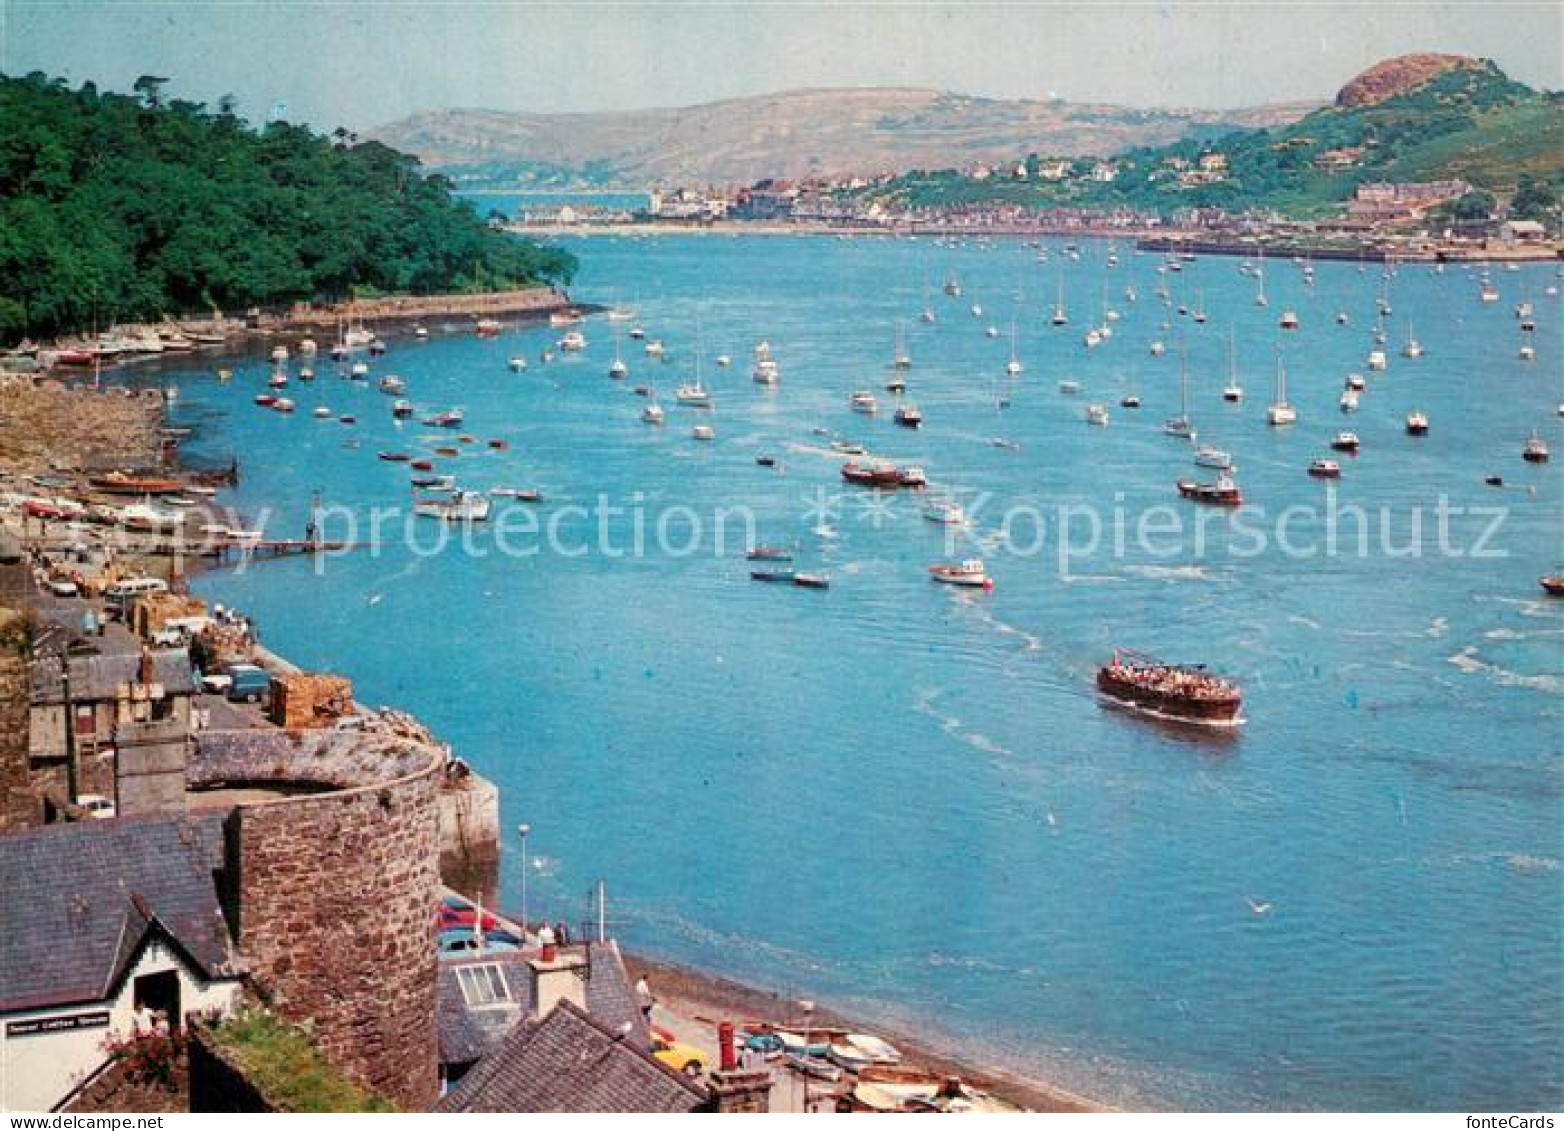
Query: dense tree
{"type": "Point", "coordinates": [118, 207]}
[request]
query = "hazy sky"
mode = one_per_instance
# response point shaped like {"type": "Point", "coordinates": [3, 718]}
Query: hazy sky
{"type": "Point", "coordinates": [363, 63]}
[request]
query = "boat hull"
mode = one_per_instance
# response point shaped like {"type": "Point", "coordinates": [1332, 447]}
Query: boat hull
{"type": "Point", "coordinates": [1207, 712]}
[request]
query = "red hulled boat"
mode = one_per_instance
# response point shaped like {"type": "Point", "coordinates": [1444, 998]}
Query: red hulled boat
{"type": "Point", "coordinates": [1188, 693]}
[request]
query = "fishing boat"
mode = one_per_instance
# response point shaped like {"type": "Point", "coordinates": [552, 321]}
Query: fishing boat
{"type": "Point", "coordinates": [1280, 413]}
{"type": "Point", "coordinates": [391, 386]}
{"type": "Point", "coordinates": [946, 512]}
{"type": "Point", "coordinates": [1222, 493]}
{"type": "Point", "coordinates": [1325, 469]}
{"type": "Point", "coordinates": [1187, 693]}
{"type": "Point", "coordinates": [1344, 442]}
{"type": "Point", "coordinates": [863, 402]}
{"type": "Point", "coordinates": [1417, 423]}
{"type": "Point", "coordinates": [970, 574]}
{"type": "Point", "coordinates": [450, 418]}
{"type": "Point", "coordinates": [909, 416]}
{"type": "Point", "coordinates": [1097, 414]}
{"type": "Point", "coordinates": [1180, 425]}
{"type": "Point", "coordinates": [457, 506]}
{"type": "Point", "coordinates": [1208, 456]}
{"type": "Point", "coordinates": [1536, 449]}
{"type": "Point", "coordinates": [1232, 392]}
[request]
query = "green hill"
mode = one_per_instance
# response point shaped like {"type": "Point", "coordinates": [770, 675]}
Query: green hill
{"type": "Point", "coordinates": [1416, 118]}
{"type": "Point", "coordinates": [115, 207]}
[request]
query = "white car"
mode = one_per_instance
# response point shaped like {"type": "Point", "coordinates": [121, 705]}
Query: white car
{"type": "Point", "coordinates": [217, 683]}
{"type": "Point", "coordinates": [63, 588]}
{"type": "Point", "coordinates": [100, 807]}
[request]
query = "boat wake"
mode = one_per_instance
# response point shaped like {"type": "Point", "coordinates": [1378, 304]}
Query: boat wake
{"type": "Point", "coordinates": [1171, 573]}
{"type": "Point", "coordinates": [1467, 660]}
{"type": "Point", "coordinates": [923, 704]}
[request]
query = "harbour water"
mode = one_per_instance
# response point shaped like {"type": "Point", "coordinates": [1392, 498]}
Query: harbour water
{"type": "Point", "coordinates": [906, 800]}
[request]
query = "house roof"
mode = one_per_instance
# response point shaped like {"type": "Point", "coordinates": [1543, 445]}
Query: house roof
{"type": "Point", "coordinates": [82, 899]}
{"type": "Point", "coordinates": [468, 1032]}
{"type": "Point", "coordinates": [570, 1062]}
{"type": "Point", "coordinates": [95, 678]}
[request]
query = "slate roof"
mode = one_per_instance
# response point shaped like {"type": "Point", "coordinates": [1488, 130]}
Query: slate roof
{"type": "Point", "coordinates": [95, 678]}
{"type": "Point", "coordinates": [572, 1063]}
{"type": "Point", "coordinates": [82, 898]}
{"type": "Point", "coordinates": [469, 1032]}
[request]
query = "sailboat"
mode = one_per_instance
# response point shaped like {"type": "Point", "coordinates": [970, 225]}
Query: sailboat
{"type": "Point", "coordinates": [1179, 425]}
{"type": "Point", "coordinates": [1232, 392]}
{"type": "Point", "coordinates": [1259, 274]}
{"type": "Point", "coordinates": [1413, 349]}
{"type": "Point", "coordinates": [1528, 351]}
{"type": "Point", "coordinates": [1013, 367]}
{"type": "Point", "coordinates": [1200, 307]}
{"type": "Point", "coordinates": [617, 369]}
{"type": "Point", "coordinates": [900, 359]}
{"type": "Point", "coordinates": [1280, 412]}
{"type": "Point", "coordinates": [694, 394]}
{"type": "Point", "coordinates": [928, 311]}
{"type": "Point", "coordinates": [1060, 318]}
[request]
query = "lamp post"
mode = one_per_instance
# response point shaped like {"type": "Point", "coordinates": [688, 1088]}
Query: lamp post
{"type": "Point", "coordinates": [522, 830]}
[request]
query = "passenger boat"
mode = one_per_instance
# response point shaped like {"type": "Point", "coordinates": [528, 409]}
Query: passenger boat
{"type": "Point", "coordinates": [1223, 493]}
{"type": "Point", "coordinates": [1188, 693]}
{"type": "Point", "coordinates": [1344, 442]}
{"type": "Point", "coordinates": [970, 574]}
{"type": "Point", "coordinates": [909, 416]}
{"type": "Point", "coordinates": [1097, 414]}
{"type": "Point", "coordinates": [1281, 413]}
{"type": "Point", "coordinates": [459, 506]}
{"type": "Point", "coordinates": [1536, 450]}
{"type": "Point", "coordinates": [1325, 469]}
{"type": "Point", "coordinates": [121, 483]}
{"type": "Point", "coordinates": [1417, 423]}
{"type": "Point", "coordinates": [882, 476]}
{"type": "Point", "coordinates": [863, 402]}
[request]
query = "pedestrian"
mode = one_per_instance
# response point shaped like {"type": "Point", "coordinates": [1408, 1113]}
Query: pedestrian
{"type": "Point", "coordinates": [643, 994]}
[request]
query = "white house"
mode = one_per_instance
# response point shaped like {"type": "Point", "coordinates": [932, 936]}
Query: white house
{"type": "Point", "coordinates": [101, 918]}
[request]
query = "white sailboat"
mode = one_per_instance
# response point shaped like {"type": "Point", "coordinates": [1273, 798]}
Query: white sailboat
{"type": "Point", "coordinates": [901, 359]}
{"type": "Point", "coordinates": [1232, 392]}
{"type": "Point", "coordinates": [1013, 367]}
{"type": "Point", "coordinates": [1413, 348]}
{"type": "Point", "coordinates": [1180, 425]}
{"type": "Point", "coordinates": [1059, 317]}
{"type": "Point", "coordinates": [1280, 412]}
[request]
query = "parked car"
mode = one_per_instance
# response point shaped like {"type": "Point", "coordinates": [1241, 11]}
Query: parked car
{"type": "Point", "coordinates": [217, 683]}
{"type": "Point", "coordinates": [63, 588]}
{"type": "Point", "coordinates": [99, 806]}
{"type": "Point", "coordinates": [681, 1058]}
{"type": "Point", "coordinates": [248, 683]}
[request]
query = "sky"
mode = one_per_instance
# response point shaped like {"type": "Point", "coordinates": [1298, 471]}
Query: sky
{"type": "Point", "coordinates": [361, 63]}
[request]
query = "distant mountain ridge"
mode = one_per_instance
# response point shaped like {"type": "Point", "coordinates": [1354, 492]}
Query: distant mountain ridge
{"type": "Point", "coordinates": [793, 134]}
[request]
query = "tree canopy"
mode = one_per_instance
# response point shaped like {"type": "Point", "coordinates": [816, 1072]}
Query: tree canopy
{"type": "Point", "coordinates": [115, 207]}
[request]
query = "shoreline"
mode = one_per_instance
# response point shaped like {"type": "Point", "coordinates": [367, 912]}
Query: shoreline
{"type": "Point", "coordinates": [707, 998]}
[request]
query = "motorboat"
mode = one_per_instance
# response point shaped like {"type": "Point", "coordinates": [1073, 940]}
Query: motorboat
{"type": "Point", "coordinates": [1208, 456]}
{"type": "Point", "coordinates": [863, 402]}
{"type": "Point", "coordinates": [573, 342]}
{"type": "Point", "coordinates": [703, 432]}
{"type": "Point", "coordinates": [282, 404]}
{"type": "Point", "coordinates": [1536, 449]}
{"type": "Point", "coordinates": [391, 386]}
{"type": "Point", "coordinates": [909, 416]}
{"type": "Point", "coordinates": [1349, 400]}
{"type": "Point", "coordinates": [1289, 320]}
{"type": "Point", "coordinates": [970, 574]}
{"type": "Point", "coordinates": [401, 410]}
{"type": "Point", "coordinates": [946, 512]}
{"type": "Point", "coordinates": [450, 418]}
{"type": "Point", "coordinates": [1355, 383]}
{"type": "Point", "coordinates": [1344, 442]}
{"type": "Point", "coordinates": [652, 413]}
{"type": "Point", "coordinates": [1097, 414]}
{"type": "Point", "coordinates": [517, 364]}
{"type": "Point", "coordinates": [1129, 400]}
{"type": "Point", "coordinates": [457, 506]}
{"type": "Point", "coordinates": [1069, 387]}
{"type": "Point", "coordinates": [1222, 493]}
{"type": "Point", "coordinates": [693, 395]}
{"type": "Point", "coordinates": [1377, 362]}
{"type": "Point", "coordinates": [1325, 469]}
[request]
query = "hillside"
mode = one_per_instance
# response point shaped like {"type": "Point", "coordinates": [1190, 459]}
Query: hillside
{"type": "Point", "coordinates": [792, 134]}
{"type": "Point", "coordinates": [1415, 118]}
{"type": "Point", "coordinates": [118, 207]}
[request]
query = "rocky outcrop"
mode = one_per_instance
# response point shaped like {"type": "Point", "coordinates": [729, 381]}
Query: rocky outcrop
{"type": "Point", "coordinates": [1397, 76]}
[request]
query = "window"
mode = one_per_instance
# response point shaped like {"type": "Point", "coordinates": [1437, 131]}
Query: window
{"type": "Point", "coordinates": [483, 984]}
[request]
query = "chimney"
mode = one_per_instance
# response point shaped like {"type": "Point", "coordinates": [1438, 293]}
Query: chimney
{"type": "Point", "coordinates": [735, 1089]}
{"type": "Point", "coordinates": [558, 977]}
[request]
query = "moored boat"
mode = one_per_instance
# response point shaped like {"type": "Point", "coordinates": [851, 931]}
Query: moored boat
{"type": "Point", "coordinates": [1417, 423]}
{"type": "Point", "coordinates": [1536, 449]}
{"type": "Point", "coordinates": [909, 416]}
{"type": "Point", "coordinates": [971, 574]}
{"type": "Point", "coordinates": [1325, 469]}
{"type": "Point", "coordinates": [1222, 493]}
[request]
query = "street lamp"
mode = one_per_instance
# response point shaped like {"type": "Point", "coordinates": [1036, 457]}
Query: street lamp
{"type": "Point", "coordinates": [522, 830]}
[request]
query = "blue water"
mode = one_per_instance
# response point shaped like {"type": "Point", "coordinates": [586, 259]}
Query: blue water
{"type": "Point", "coordinates": [906, 800]}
